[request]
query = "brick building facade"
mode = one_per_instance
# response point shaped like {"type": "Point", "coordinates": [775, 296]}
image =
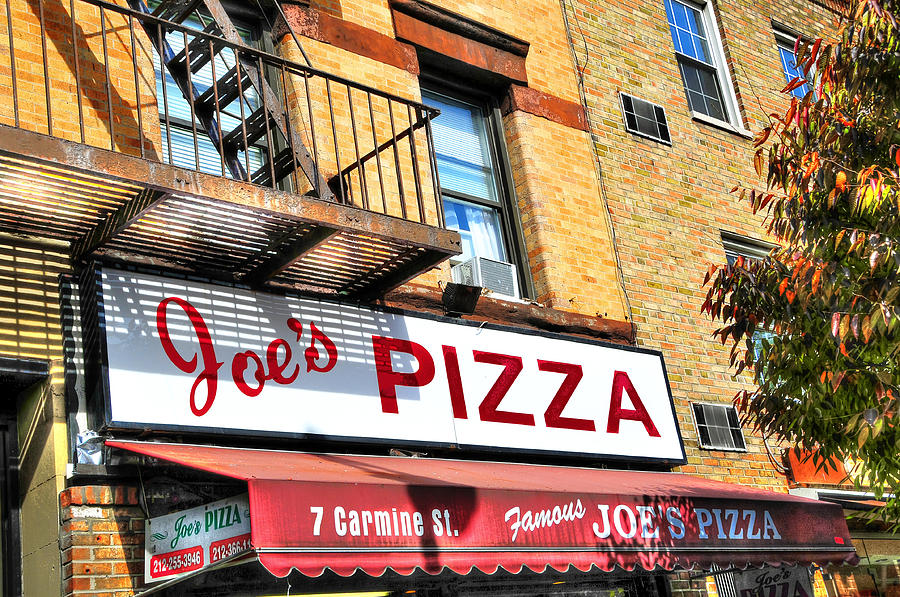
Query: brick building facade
{"type": "Point", "coordinates": [601, 235]}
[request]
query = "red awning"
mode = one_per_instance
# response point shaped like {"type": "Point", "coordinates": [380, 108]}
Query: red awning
{"type": "Point", "coordinates": [348, 513]}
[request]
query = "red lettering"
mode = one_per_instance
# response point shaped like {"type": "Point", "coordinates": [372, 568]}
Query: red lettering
{"type": "Point", "coordinates": [512, 366]}
{"type": "Point", "coordinates": [617, 413]}
{"type": "Point", "coordinates": [276, 369]}
{"type": "Point", "coordinates": [312, 354]}
{"type": "Point", "coordinates": [239, 365]}
{"type": "Point", "coordinates": [295, 326]}
{"type": "Point", "coordinates": [552, 415]}
{"type": "Point", "coordinates": [211, 366]}
{"type": "Point", "coordinates": [388, 379]}
{"type": "Point", "coordinates": [454, 382]}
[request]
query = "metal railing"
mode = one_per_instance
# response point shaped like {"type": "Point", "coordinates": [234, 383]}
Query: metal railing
{"type": "Point", "coordinates": [93, 72]}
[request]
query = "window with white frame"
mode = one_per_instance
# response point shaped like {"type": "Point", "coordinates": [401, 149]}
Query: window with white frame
{"type": "Point", "coordinates": [741, 246]}
{"type": "Point", "coordinates": [701, 60]}
{"type": "Point", "coordinates": [718, 426]}
{"type": "Point", "coordinates": [786, 42]}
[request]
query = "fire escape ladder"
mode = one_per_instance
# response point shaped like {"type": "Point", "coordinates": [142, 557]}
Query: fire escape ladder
{"type": "Point", "coordinates": [244, 78]}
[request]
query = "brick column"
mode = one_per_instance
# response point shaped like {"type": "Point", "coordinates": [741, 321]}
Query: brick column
{"type": "Point", "coordinates": [681, 585]}
{"type": "Point", "coordinates": [101, 540]}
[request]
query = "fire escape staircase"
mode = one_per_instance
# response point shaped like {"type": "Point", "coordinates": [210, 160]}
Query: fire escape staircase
{"type": "Point", "coordinates": [117, 207]}
{"type": "Point", "coordinates": [241, 81]}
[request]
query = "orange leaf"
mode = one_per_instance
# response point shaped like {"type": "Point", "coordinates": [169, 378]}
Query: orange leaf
{"type": "Point", "coordinates": [816, 280]}
{"type": "Point", "coordinates": [844, 350]}
{"type": "Point", "coordinates": [813, 54]}
{"type": "Point", "coordinates": [790, 294]}
{"type": "Point", "coordinates": [782, 286]}
{"type": "Point", "coordinates": [840, 181]}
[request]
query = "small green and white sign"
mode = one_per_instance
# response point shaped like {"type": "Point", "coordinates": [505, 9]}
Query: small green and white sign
{"type": "Point", "coordinates": [190, 540]}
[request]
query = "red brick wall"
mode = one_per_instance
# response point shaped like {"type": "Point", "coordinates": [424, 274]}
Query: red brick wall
{"type": "Point", "coordinates": [102, 540]}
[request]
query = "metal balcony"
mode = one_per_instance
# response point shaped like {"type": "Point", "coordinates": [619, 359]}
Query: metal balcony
{"type": "Point", "coordinates": [259, 170]}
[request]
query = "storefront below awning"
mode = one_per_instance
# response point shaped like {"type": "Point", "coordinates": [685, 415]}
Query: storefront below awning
{"type": "Point", "coordinates": [345, 513]}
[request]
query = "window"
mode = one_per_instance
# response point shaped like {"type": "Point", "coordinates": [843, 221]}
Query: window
{"type": "Point", "coordinates": [718, 426]}
{"type": "Point", "coordinates": [477, 203]}
{"type": "Point", "coordinates": [701, 60]}
{"type": "Point", "coordinates": [739, 246]}
{"type": "Point", "coordinates": [179, 132]}
{"type": "Point", "coordinates": [786, 42]}
{"type": "Point", "coordinates": [645, 119]}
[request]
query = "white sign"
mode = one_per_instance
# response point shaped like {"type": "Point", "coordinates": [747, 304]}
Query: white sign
{"type": "Point", "coordinates": [790, 581]}
{"type": "Point", "coordinates": [189, 355]}
{"type": "Point", "coordinates": [186, 541]}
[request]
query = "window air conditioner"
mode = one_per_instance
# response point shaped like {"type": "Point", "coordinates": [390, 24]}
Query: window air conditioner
{"type": "Point", "coordinates": [497, 276]}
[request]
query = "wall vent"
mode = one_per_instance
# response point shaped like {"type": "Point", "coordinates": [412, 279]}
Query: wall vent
{"type": "Point", "coordinates": [718, 426]}
{"type": "Point", "coordinates": [645, 119]}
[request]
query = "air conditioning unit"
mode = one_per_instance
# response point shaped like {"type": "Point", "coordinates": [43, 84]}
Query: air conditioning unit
{"type": "Point", "coordinates": [497, 276]}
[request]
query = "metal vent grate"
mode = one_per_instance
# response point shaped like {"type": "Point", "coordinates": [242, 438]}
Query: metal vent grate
{"type": "Point", "coordinates": [718, 426]}
{"type": "Point", "coordinates": [645, 119]}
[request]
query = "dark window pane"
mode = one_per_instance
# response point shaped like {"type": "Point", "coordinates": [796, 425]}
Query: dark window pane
{"type": "Point", "coordinates": [630, 120]}
{"type": "Point", "coordinates": [703, 91]}
{"type": "Point", "coordinates": [645, 110]}
{"type": "Point", "coordinates": [704, 435]}
{"type": "Point", "coordinates": [714, 108]}
{"type": "Point", "coordinates": [737, 438]}
{"type": "Point", "coordinates": [698, 413]}
{"type": "Point", "coordinates": [664, 133]}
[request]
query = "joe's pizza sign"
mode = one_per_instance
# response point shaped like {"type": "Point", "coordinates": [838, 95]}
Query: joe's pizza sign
{"type": "Point", "coordinates": [182, 354]}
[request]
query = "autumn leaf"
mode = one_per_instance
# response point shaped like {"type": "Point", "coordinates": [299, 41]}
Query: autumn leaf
{"type": "Point", "coordinates": [836, 380]}
{"type": "Point", "coordinates": [813, 54]}
{"type": "Point", "coordinates": [840, 181]}
{"type": "Point", "coordinates": [816, 280]}
{"type": "Point", "coordinates": [835, 324]}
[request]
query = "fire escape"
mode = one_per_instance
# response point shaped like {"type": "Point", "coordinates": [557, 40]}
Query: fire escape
{"type": "Point", "coordinates": [316, 183]}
